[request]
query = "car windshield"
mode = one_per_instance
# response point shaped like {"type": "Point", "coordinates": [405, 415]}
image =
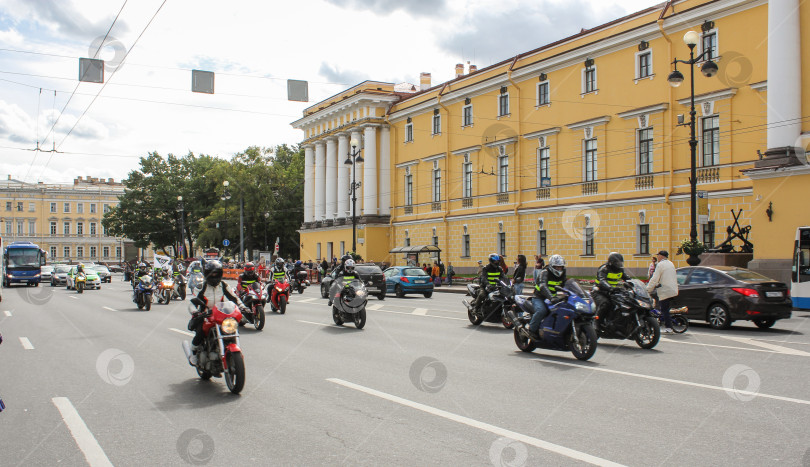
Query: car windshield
{"type": "Point", "coordinates": [413, 272]}
{"type": "Point", "coordinates": [62, 269]}
{"type": "Point", "coordinates": [102, 269]}
{"type": "Point", "coordinates": [47, 268]}
{"type": "Point", "coordinates": [746, 275]}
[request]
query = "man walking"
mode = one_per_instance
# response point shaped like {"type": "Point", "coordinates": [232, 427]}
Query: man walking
{"type": "Point", "coordinates": [664, 278]}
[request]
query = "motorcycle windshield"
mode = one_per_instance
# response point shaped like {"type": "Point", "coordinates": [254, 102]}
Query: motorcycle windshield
{"type": "Point", "coordinates": [353, 295]}
{"type": "Point", "coordinates": [639, 289]}
{"type": "Point", "coordinates": [573, 286]}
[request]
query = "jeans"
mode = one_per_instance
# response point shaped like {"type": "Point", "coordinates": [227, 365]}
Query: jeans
{"type": "Point", "coordinates": [519, 289]}
{"type": "Point", "coordinates": [665, 307]}
{"type": "Point", "coordinates": [540, 313]}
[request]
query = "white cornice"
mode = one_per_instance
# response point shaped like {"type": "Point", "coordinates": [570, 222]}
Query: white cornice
{"type": "Point", "coordinates": [349, 104]}
{"type": "Point", "coordinates": [650, 109]}
{"type": "Point", "coordinates": [587, 123]}
{"type": "Point", "coordinates": [434, 157]}
{"type": "Point", "coordinates": [710, 96]}
{"type": "Point", "coordinates": [463, 151]}
{"type": "Point", "coordinates": [780, 172]}
{"type": "Point", "coordinates": [402, 165]}
{"type": "Point", "coordinates": [501, 142]}
{"type": "Point", "coordinates": [546, 132]}
{"type": "Point", "coordinates": [761, 86]}
{"type": "Point", "coordinates": [416, 109]}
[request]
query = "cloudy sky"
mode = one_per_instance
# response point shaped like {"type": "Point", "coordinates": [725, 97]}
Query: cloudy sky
{"type": "Point", "coordinates": [146, 103]}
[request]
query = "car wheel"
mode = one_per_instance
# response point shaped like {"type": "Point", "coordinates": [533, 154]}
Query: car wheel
{"type": "Point", "coordinates": [428, 294]}
{"type": "Point", "coordinates": [764, 323]}
{"type": "Point", "coordinates": [398, 291]}
{"type": "Point", "coordinates": [718, 316]}
{"type": "Point", "coordinates": [381, 296]}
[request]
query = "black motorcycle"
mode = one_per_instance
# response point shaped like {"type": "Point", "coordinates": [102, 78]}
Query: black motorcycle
{"type": "Point", "coordinates": [492, 308]}
{"type": "Point", "coordinates": [179, 286]}
{"type": "Point", "coordinates": [631, 317]}
{"type": "Point", "coordinates": [299, 281]}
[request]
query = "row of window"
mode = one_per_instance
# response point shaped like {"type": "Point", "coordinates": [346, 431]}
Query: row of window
{"type": "Point", "coordinates": [66, 228]}
{"type": "Point", "coordinates": [65, 207]}
{"type": "Point", "coordinates": [105, 252]}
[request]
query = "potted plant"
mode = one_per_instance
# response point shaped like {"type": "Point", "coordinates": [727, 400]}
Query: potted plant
{"type": "Point", "coordinates": [692, 248]}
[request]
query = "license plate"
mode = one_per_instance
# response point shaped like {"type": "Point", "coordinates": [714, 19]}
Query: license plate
{"type": "Point", "coordinates": [421, 281]}
{"type": "Point", "coordinates": [774, 294]}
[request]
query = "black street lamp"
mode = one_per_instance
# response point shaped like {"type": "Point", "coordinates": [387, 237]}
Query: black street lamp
{"type": "Point", "coordinates": [353, 158]}
{"type": "Point", "coordinates": [226, 195]}
{"type": "Point", "coordinates": [266, 215]}
{"type": "Point", "coordinates": [181, 208]}
{"type": "Point", "coordinates": [709, 69]}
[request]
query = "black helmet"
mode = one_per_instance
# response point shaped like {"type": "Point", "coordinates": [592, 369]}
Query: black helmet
{"type": "Point", "coordinates": [213, 272]}
{"type": "Point", "coordinates": [615, 262]}
{"type": "Point", "coordinates": [495, 259]}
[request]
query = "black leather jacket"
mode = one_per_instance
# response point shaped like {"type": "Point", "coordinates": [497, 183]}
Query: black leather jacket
{"type": "Point", "coordinates": [548, 284]}
{"type": "Point", "coordinates": [489, 272]}
{"type": "Point", "coordinates": [607, 279]}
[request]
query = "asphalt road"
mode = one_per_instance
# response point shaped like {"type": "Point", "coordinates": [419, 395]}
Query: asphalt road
{"type": "Point", "coordinates": [90, 380]}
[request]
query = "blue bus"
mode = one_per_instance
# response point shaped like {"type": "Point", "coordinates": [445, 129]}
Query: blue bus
{"type": "Point", "coordinates": [800, 273]}
{"type": "Point", "coordinates": [22, 263]}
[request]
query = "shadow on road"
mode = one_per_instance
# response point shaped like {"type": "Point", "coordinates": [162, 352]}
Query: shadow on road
{"type": "Point", "coordinates": [194, 393]}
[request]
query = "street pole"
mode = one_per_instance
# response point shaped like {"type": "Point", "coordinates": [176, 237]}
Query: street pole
{"type": "Point", "coordinates": [354, 158]}
{"type": "Point", "coordinates": [182, 229]}
{"type": "Point", "coordinates": [241, 229]}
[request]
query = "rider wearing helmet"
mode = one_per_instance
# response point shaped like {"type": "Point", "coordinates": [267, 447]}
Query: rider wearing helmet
{"type": "Point", "coordinates": [346, 274]}
{"type": "Point", "coordinates": [609, 277]}
{"type": "Point", "coordinates": [491, 274]}
{"type": "Point", "coordinates": [247, 278]}
{"type": "Point", "coordinates": [80, 268]}
{"type": "Point", "coordinates": [343, 260]}
{"type": "Point", "coordinates": [279, 271]}
{"type": "Point", "coordinates": [549, 282]}
{"type": "Point", "coordinates": [213, 291]}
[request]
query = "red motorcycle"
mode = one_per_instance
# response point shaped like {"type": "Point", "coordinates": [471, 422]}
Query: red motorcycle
{"type": "Point", "coordinates": [280, 294]}
{"type": "Point", "coordinates": [220, 352]}
{"type": "Point", "coordinates": [255, 298]}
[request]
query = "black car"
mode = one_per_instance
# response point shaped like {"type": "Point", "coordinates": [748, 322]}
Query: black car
{"type": "Point", "coordinates": [370, 274]}
{"type": "Point", "coordinates": [103, 273]}
{"type": "Point", "coordinates": [723, 294]}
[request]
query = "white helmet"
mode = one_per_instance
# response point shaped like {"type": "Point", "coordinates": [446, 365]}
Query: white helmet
{"type": "Point", "coordinates": [556, 264]}
{"type": "Point", "coordinates": [348, 266]}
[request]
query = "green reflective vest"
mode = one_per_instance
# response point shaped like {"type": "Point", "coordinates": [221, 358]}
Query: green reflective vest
{"type": "Point", "coordinates": [613, 278]}
{"type": "Point", "coordinates": [492, 277]}
{"type": "Point", "coordinates": [278, 275]}
{"type": "Point", "coordinates": [552, 286]}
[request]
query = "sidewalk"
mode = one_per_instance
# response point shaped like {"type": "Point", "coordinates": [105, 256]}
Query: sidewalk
{"type": "Point", "coordinates": [455, 288]}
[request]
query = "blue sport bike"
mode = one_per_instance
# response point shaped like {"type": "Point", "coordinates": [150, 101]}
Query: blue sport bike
{"type": "Point", "coordinates": [569, 325]}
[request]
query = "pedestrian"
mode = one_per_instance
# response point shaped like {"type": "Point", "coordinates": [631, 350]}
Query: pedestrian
{"type": "Point", "coordinates": [480, 268]}
{"type": "Point", "coordinates": [665, 280]}
{"type": "Point", "coordinates": [539, 264]}
{"type": "Point", "coordinates": [450, 273]}
{"type": "Point", "coordinates": [426, 269]}
{"type": "Point", "coordinates": [322, 270]}
{"type": "Point", "coordinates": [651, 269]}
{"type": "Point", "coordinates": [520, 274]}
{"type": "Point", "coordinates": [434, 274]}
{"type": "Point", "coordinates": [503, 265]}
{"type": "Point", "coordinates": [441, 269]}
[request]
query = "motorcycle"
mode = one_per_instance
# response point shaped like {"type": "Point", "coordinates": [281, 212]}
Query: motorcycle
{"type": "Point", "coordinates": [220, 352]}
{"type": "Point", "coordinates": [195, 282]}
{"type": "Point", "coordinates": [179, 290]}
{"type": "Point", "coordinates": [349, 302]}
{"type": "Point", "coordinates": [300, 281]}
{"type": "Point", "coordinates": [254, 298]}
{"type": "Point", "coordinates": [143, 293]}
{"type": "Point", "coordinates": [632, 316]}
{"type": "Point", "coordinates": [568, 326]}
{"type": "Point", "coordinates": [678, 316]}
{"type": "Point", "coordinates": [280, 295]}
{"type": "Point", "coordinates": [492, 308]}
{"type": "Point", "coordinates": [81, 282]}
{"type": "Point", "coordinates": [165, 290]}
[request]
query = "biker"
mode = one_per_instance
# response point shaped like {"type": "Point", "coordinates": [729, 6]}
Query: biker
{"type": "Point", "coordinates": [342, 263]}
{"type": "Point", "coordinates": [549, 281]}
{"type": "Point", "coordinates": [298, 267]}
{"type": "Point", "coordinates": [213, 290]}
{"type": "Point", "coordinates": [279, 271]}
{"type": "Point", "coordinates": [80, 269]}
{"type": "Point", "coordinates": [143, 270]}
{"type": "Point", "coordinates": [609, 278]}
{"type": "Point", "coordinates": [491, 274]}
{"type": "Point", "coordinates": [346, 274]}
{"type": "Point", "coordinates": [247, 278]}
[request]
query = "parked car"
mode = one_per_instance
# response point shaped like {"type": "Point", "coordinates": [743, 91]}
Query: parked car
{"type": "Point", "coordinates": [59, 275]}
{"type": "Point", "coordinates": [402, 280]}
{"type": "Point", "coordinates": [721, 295]}
{"type": "Point", "coordinates": [103, 273]}
{"type": "Point", "coordinates": [115, 268]}
{"type": "Point", "coordinates": [46, 273]}
{"type": "Point", "coordinates": [93, 281]}
{"type": "Point", "coordinates": [369, 273]}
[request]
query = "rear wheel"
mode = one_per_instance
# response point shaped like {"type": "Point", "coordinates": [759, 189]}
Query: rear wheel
{"type": "Point", "coordinates": [647, 337]}
{"type": "Point", "coordinates": [324, 291]}
{"type": "Point", "coordinates": [586, 347]}
{"type": "Point", "coordinates": [204, 374]}
{"type": "Point", "coordinates": [428, 294]}
{"type": "Point", "coordinates": [398, 291]}
{"type": "Point", "coordinates": [524, 343]}
{"type": "Point", "coordinates": [476, 320]}
{"type": "Point", "coordinates": [258, 320]}
{"type": "Point", "coordinates": [381, 296]}
{"type": "Point", "coordinates": [507, 321]}
{"type": "Point", "coordinates": [718, 316]}
{"type": "Point", "coordinates": [235, 375]}
{"type": "Point", "coordinates": [680, 324]}
{"type": "Point", "coordinates": [336, 316]}
{"type": "Point", "coordinates": [360, 318]}
{"type": "Point", "coordinates": [300, 290]}
{"type": "Point", "coordinates": [764, 323]}
{"type": "Point", "coordinates": [282, 304]}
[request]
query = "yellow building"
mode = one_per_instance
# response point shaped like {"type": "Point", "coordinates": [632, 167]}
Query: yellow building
{"type": "Point", "coordinates": [572, 148]}
{"type": "Point", "coordinates": [64, 220]}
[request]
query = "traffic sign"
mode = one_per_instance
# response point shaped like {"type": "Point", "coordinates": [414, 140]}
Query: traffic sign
{"type": "Point", "coordinates": [226, 242]}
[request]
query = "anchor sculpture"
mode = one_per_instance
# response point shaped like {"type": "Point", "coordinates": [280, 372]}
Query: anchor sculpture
{"type": "Point", "coordinates": [740, 233]}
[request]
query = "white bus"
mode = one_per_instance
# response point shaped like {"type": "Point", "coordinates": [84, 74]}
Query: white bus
{"type": "Point", "coordinates": [800, 273]}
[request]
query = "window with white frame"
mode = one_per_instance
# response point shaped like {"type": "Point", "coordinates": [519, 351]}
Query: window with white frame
{"type": "Point", "coordinates": [708, 44]}
{"type": "Point", "coordinates": [437, 182]}
{"type": "Point", "coordinates": [467, 115]}
{"type": "Point", "coordinates": [466, 179]}
{"type": "Point", "coordinates": [708, 234]}
{"type": "Point", "coordinates": [590, 160]}
{"type": "Point", "coordinates": [32, 207]}
{"type": "Point", "coordinates": [588, 238]}
{"type": "Point", "coordinates": [543, 166]}
{"type": "Point", "coordinates": [66, 228]}
{"type": "Point", "coordinates": [541, 242]}
{"type": "Point", "coordinates": [437, 122]}
{"type": "Point", "coordinates": [407, 239]}
{"type": "Point", "coordinates": [19, 206]}
{"type": "Point", "coordinates": [53, 207]}
{"type": "Point", "coordinates": [53, 253]}
{"type": "Point", "coordinates": [19, 227]}
{"type": "Point", "coordinates": [645, 151]}
{"type": "Point", "coordinates": [53, 228]}
{"type": "Point", "coordinates": [711, 140]}
{"type": "Point", "coordinates": [408, 187]}
{"type": "Point", "coordinates": [92, 229]}
{"type": "Point", "coordinates": [644, 239]}
{"type": "Point", "coordinates": [502, 243]}
{"type": "Point", "coordinates": [80, 252]}
{"type": "Point", "coordinates": [503, 170]}
{"type": "Point", "coordinates": [589, 80]}
{"type": "Point", "coordinates": [66, 252]}
{"type": "Point", "coordinates": [465, 246]}
{"type": "Point", "coordinates": [92, 252]}
{"type": "Point", "coordinates": [80, 208]}
{"type": "Point", "coordinates": [409, 132]}
{"type": "Point", "coordinates": [92, 208]}
{"type": "Point", "coordinates": [644, 64]}
{"type": "Point", "coordinates": [543, 93]}
{"type": "Point", "coordinates": [118, 252]}
{"type": "Point", "coordinates": [32, 227]}
{"type": "Point", "coordinates": [8, 227]}
{"type": "Point", "coordinates": [80, 228]}
{"type": "Point", "coordinates": [106, 208]}
{"type": "Point", "coordinates": [503, 104]}
{"type": "Point", "coordinates": [66, 207]}
{"type": "Point", "coordinates": [105, 251]}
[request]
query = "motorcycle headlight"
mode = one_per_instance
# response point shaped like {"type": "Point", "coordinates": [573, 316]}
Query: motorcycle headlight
{"type": "Point", "coordinates": [643, 304]}
{"type": "Point", "coordinates": [583, 307]}
{"type": "Point", "coordinates": [229, 326]}
{"type": "Point", "coordinates": [361, 293]}
{"type": "Point", "coordinates": [279, 289]}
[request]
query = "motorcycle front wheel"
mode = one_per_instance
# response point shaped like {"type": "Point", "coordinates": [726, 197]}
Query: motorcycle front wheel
{"type": "Point", "coordinates": [148, 304]}
{"type": "Point", "coordinates": [182, 293]}
{"type": "Point", "coordinates": [235, 374]}
{"type": "Point", "coordinates": [204, 374]}
{"type": "Point", "coordinates": [507, 321]}
{"type": "Point", "coordinates": [282, 304]}
{"type": "Point", "coordinates": [647, 337]}
{"type": "Point", "coordinates": [586, 347]}
{"type": "Point", "coordinates": [140, 301]}
{"type": "Point", "coordinates": [336, 316]}
{"type": "Point", "coordinates": [524, 343]}
{"type": "Point", "coordinates": [360, 318]}
{"type": "Point", "coordinates": [80, 288]}
{"type": "Point", "coordinates": [258, 320]}
{"type": "Point", "coordinates": [476, 320]}
{"type": "Point", "coordinates": [168, 296]}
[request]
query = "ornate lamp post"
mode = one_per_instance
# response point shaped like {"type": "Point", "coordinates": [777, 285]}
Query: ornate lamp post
{"type": "Point", "coordinates": [353, 158]}
{"type": "Point", "coordinates": [709, 69]}
{"type": "Point", "coordinates": [226, 195]}
{"type": "Point", "coordinates": [180, 207]}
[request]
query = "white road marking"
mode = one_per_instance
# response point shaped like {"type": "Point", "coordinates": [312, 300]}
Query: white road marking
{"type": "Point", "coordinates": [548, 446]}
{"type": "Point", "coordinates": [420, 311]}
{"type": "Point", "coordinates": [26, 343]}
{"type": "Point", "coordinates": [305, 300]}
{"type": "Point", "coordinates": [313, 322]}
{"type": "Point", "coordinates": [8, 313]}
{"type": "Point", "coordinates": [375, 306]}
{"type": "Point", "coordinates": [108, 308]}
{"type": "Point", "coordinates": [182, 332]}
{"type": "Point", "coordinates": [677, 381]}
{"type": "Point", "coordinates": [93, 453]}
{"type": "Point", "coordinates": [74, 298]}
{"type": "Point", "coordinates": [765, 345]}
{"type": "Point", "coordinates": [429, 316]}
{"type": "Point", "coordinates": [677, 341]}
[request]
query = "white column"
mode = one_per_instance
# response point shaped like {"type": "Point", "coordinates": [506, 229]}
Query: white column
{"type": "Point", "coordinates": [784, 73]}
{"type": "Point", "coordinates": [309, 190]}
{"type": "Point", "coordinates": [320, 179]}
{"type": "Point", "coordinates": [385, 171]}
{"type": "Point", "coordinates": [342, 176]}
{"type": "Point", "coordinates": [370, 171]}
{"type": "Point", "coordinates": [357, 136]}
{"type": "Point", "coordinates": [331, 178]}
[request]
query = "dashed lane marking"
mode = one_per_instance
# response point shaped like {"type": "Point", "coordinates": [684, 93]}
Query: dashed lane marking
{"type": "Point", "coordinates": [26, 343]}
{"type": "Point", "coordinates": [675, 340]}
{"type": "Point", "coordinates": [313, 322]}
{"type": "Point", "coordinates": [420, 311]}
{"type": "Point", "coordinates": [92, 451]}
{"type": "Point", "coordinates": [108, 308]}
{"type": "Point", "coordinates": [182, 332]}
{"type": "Point", "coordinates": [305, 300]}
{"type": "Point", "coordinates": [765, 345]}
{"type": "Point", "coordinates": [375, 306]}
{"type": "Point", "coordinates": [7, 313]}
{"type": "Point", "coordinates": [74, 298]}
{"type": "Point", "coordinates": [427, 316]}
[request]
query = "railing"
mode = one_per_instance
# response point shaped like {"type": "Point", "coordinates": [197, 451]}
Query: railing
{"type": "Point", "coordinates": [543, 193]}
{"type": "Point", "coordinates": [708, 175]}
{"type": "Point", "coordinates": [436, 206]}
{"type": "Point", "coordinates": [466, 202]}
{"type": "Point", "coordinates": [590, 188]}
{"type": "Point", "coordinates": [503, 198]}
{"type": "Point", "coordinates": [408, 209]}
{"type": "Point", "coordinates": [645, 182]}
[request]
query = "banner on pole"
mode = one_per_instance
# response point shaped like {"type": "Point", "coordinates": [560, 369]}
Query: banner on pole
{"type": "Point", "coordinates": [703, 207]}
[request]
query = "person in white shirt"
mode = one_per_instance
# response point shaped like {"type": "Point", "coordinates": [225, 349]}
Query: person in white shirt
{"type": "Point", "coordinates": [665, 277]}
